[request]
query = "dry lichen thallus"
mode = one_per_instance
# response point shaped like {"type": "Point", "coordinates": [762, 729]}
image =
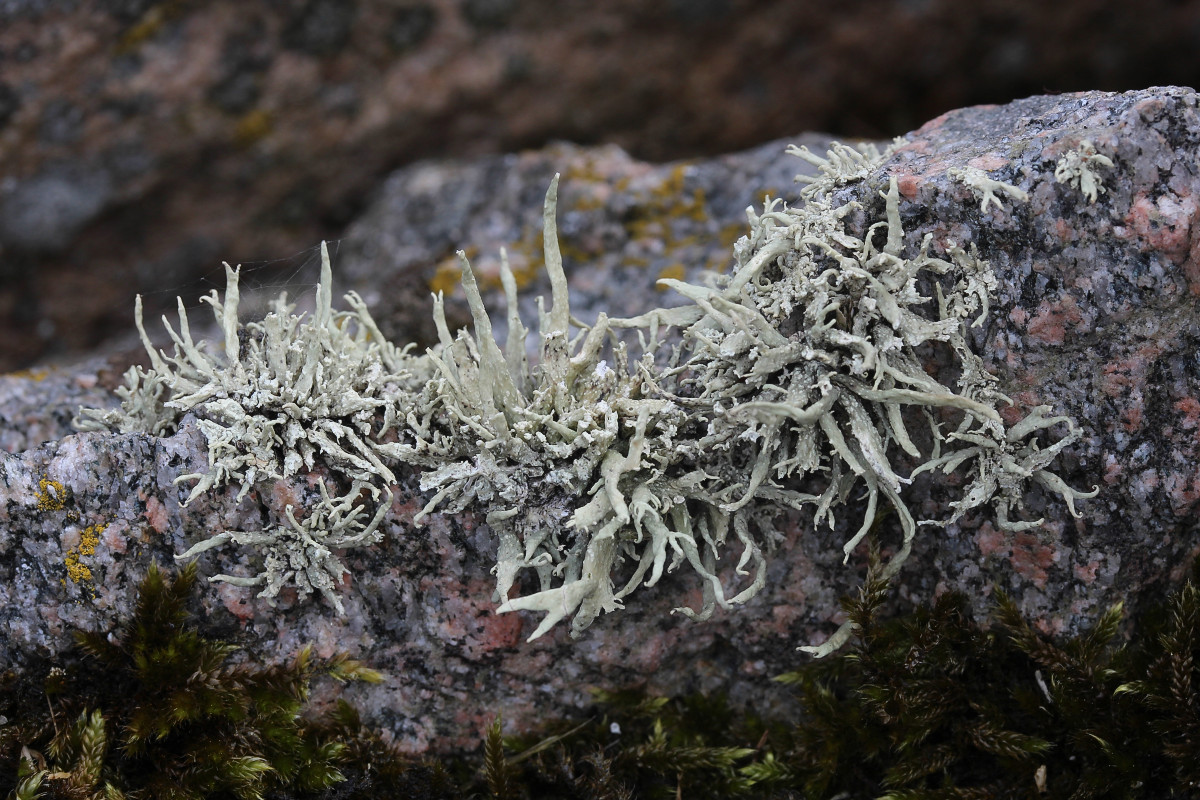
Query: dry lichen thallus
{"type": "Point", "coordinates": [598, 470]}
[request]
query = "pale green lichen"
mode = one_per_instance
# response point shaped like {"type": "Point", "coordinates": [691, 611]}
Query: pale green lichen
{"type": "Point", "coordinates": [841, 165]}
{"type": "Point", "coordinates": [985, 188]}
{"type": "Point", "coordinates": [788, 384]}
{"type": "Point", "coordinates": [1078, 168]}
{"type": "Point", "coordinates": [280, 398]}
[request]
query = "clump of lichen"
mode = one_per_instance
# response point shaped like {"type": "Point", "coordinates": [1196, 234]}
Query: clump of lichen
{"type": "Point", "coordinates": [804, 364]}
{"type": "Point", "coordinates": [800, 369]}
{"type": "Point", "coordinates": [284, 396]}
{"type": "Point", "coordinates": [985, 188]}
{"type": "Point", "coordinates": [1078, 168]}
{"type": "Point", "coordinates": [532, 445]}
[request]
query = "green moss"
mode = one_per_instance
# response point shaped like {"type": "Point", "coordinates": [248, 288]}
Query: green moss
{"type": "Point", "coordinates": [927, 704]}
{"type": "Point", "coordinates": [934, 704]}
{"type": "Point", "coordinates": [160, 711]}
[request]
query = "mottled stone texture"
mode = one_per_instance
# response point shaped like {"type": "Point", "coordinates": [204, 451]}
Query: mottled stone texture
{"type": "Point", "coordinates": [143, 140]}
{"type": "Point", "coordinates": [1096, 315]}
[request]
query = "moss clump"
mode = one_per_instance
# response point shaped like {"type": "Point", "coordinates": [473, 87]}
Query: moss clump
{"type": "Point", "coordinates": [925, 705]}
{"type": "Point", "coordinates": [934, 705]}
{"type": "Point", "coordinates": [160, 712]}
{"type": "Point", "coordinates": [922, 706]}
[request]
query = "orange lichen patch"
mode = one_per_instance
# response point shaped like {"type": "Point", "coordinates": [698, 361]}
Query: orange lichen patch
{"type": "Point", "coordinates": [1120, 377]}
{"type": "Point", "coordinates": [1190, 408]}
{"type": "Point", "coordinates": [447, 276]}
{"type": "Point", "coordinates": [660, 203]}
{"type": "Point", "coordinates": [908, 185]}
{"type": "Point", "coordinates": [524, 259]}
{"type": "Point", "coordinates": [150, 23]}
{"type": "Point", "coordinates": [666, 203]}
{"type": "Point", "coordinates": [1052, 318]}
{"type": "Point", "coordinates": [1164, 224]}
{"type": "Point", "coordinates": [602, 166]}
{"type": "Point", "coordinates": [88, 539]}
{"type": "Point", "coordinates": [1086, 573]}
{"type": "Point", "coordinates": [670, 196]}
{"type": "Point", "coordinates": [1031, 558]}
{"type": "Point", "coordinates": [988, 163]}
{"type": "Point", "coordinates": [51, 496]}
{"type": "Point", "coordinates": [156, 515]}
{"type": "Point", "coordinates": [730, 233]}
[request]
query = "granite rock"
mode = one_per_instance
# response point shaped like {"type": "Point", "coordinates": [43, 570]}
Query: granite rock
{"type": "Point", "coordinates": [1096, 315]}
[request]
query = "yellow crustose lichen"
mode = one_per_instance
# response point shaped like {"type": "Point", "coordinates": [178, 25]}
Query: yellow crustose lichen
{"type": "Point", "coordinates": [50, 495]}
{"type": "Point", "coordinates": [77, 570]}
{"type": "Point", "coordinates": [627, 449]}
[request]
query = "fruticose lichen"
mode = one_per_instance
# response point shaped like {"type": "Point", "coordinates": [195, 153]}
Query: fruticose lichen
{"type": "Point", "coordinates": [1078, 168]}
{"type": "Point", "coordinates": [282, 397]}
{"type": "Point", "coordinates": [985, 188]}
{"type": "Point", "coordinates": [788, 384]}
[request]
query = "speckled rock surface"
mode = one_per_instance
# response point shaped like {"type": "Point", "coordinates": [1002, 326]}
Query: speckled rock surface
{"type": "Point", "coordinates": [1096, 315]}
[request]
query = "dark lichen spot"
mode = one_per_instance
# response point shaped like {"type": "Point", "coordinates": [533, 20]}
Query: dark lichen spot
{"type": "Point", "coordinates": [25, 52]}
{"type": "Point", "coordinates": [61, 122]}
{"type": "Point", "coordinates": [10, 103]}
{"type": "Point", "coordinates": [129, 12]}
{"type": "Point", "coordinates": [320, 27]}
{"type": "Point", "coordinates": [244, 60]}
{"type": "Point", "coordinates": [411, 26]}
{"type": "Point", "coordinates": [699, 12]}
{"type": "Point", "coordinates": [488, 14]}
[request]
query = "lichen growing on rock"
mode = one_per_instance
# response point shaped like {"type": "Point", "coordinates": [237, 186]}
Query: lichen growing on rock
{"type": "Point", "coordinates": [985, 188]}
{"type": "Point", "coordinates": [281, 397]}
{"type": "Point", "coordinates": [658, 440]}
{"type": "Point", "coordinates": [1078, 168]}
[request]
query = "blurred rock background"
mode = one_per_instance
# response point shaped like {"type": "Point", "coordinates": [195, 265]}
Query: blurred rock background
{"type": "Point", "coordinates": [143, 142]}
